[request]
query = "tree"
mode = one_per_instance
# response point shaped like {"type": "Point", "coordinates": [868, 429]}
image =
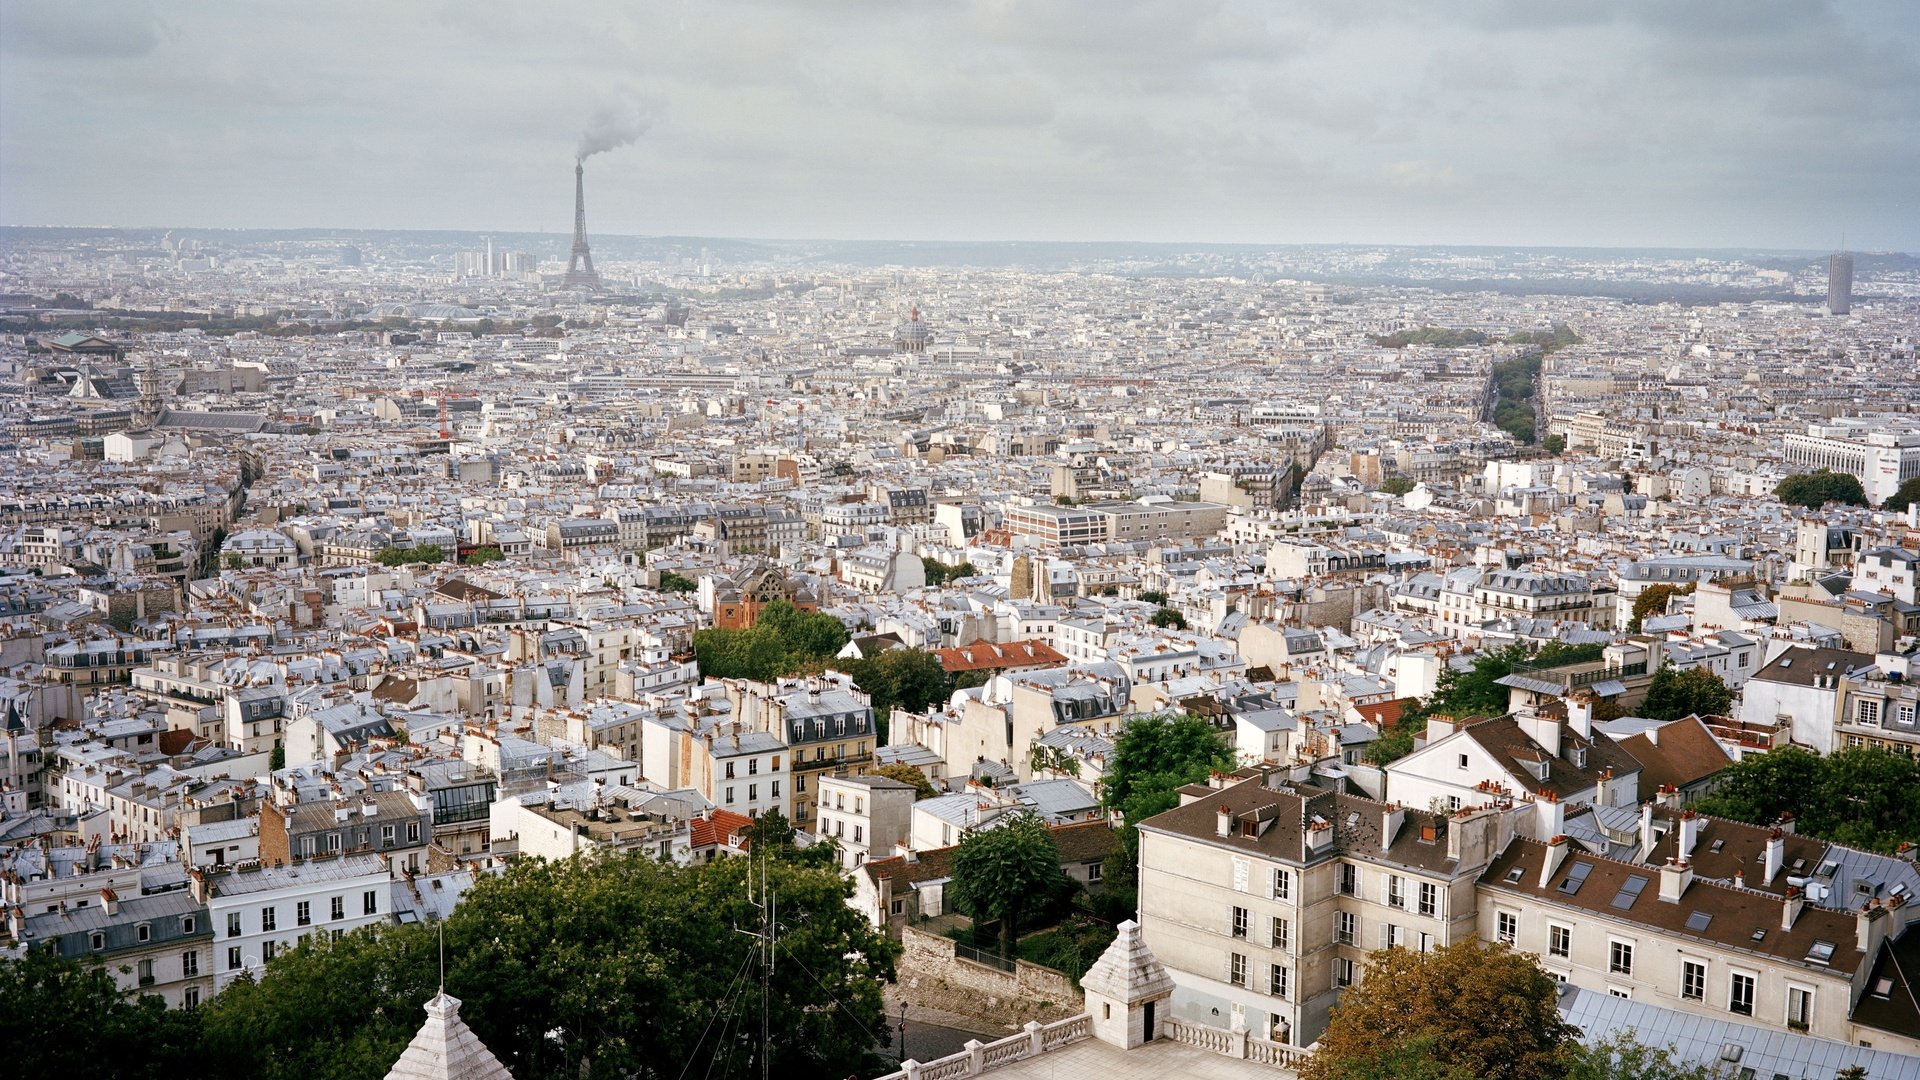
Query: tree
{"type": "Point", "coordinates": [1484, 1009]}
{"type": "Point", "coordinates": [1396, 485]}
{"type": "Point", "coordinates": [483, 555]}
{"type": "Point", "coordinates": [807, 635]}
{"type": "Point", "coordinates": [939, 573]}
{"type": "Point", "coordinates": [1903, 496]}
{"type": "Point", "coordinates": [1477, 690]}
{"type": "Point", "coordinates": [1818, 488]}
{"type": "Point", "coordinates": [1554, 444]}
{"type": "Point", "coordinates": [277, 759]}
{"type": "Point", "coordinates": [754, 653]}
{"type": "Point", "coordinates": [1653, 601]}
{"type": "Point", "coordinates": [1693, 692]}
{"type": "Point", "coordinates": [61, 1018]}
{"type": "Point", "coordinates": [233, 561]}
{"type": "Point", "coordinates": [1167, 617]}
{"type": "Point", "coordinates": [907, 774]}
{"type": "Point", "coordinates": [1862, 797]}
{"type": "Point", "coordinates": [1005, 872]}
{"type": "Point", "coordinates": [1044, 759]}
{"type": "Point", "coordinates": [1620, 1056]}
{"type": "Point", "coordinates": [1154, 757]}
{"type": "Point", "coordinates": [672, 582]}
{"type": "Point", "coordinates": [549, 961]}
{"type": "Point", "coordinates": [910, 679]}
{"type": "Point", "coordinates": [1154, 596]}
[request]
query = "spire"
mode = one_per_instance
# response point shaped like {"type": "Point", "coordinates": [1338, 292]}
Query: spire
{"type": "Point", "coordinates": [446, 1048]}
{"type": "Point", "coordinates": [580, 269]}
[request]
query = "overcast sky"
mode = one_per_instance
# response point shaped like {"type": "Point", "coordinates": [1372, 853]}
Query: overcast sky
{"type": "Point", "coordinates": [1671, 123]}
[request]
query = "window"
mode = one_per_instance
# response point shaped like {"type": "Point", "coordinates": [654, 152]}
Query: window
{"type": "Point", "coordinates": [858, 830]}
{"type": "Point", "coordinates": [1280, 933]}
{"type": "Point", "coordinates": [1093, 871]}
{"type": "Point", "coordinates": [190, 999]}
{"type": "Point", "coordinates": [1279, 981]}
{"type": "Point", "coordinates": [143, 932]}
{"type": "Point", "coordinates": [1396, 894]}
{"type": "Point", "coordinates": [776, 763]}
{"type": "Point", "coordinates": [1282, 885]}
{"type": "Point", "coordinates": [233, 924]}
{"type": "Point", "coordinates": [1740, 994]}
{"type": "Point", "coordinates": [1347, 879]}
{"type": "Point", "coordinates": [773, 790]}
{"type": "Point", "coordinates": [96, 941]}
{"type": "Point", "coordinates": [1693, 980]}
{"type": "Point", "coordinates": [1559, 941]}
{"type": "Point", "coordinates": [899, 907]}
{"type": "Point", "coordinates": [339, 907]}
{"type": "Point", "coordinates": [413, 832]}
{"type": "Point", "coordinates": [753, 766]}
{"type": "Point", "coordinates": [1867, 712]}
{"type": "Point", "coordinates": [269, 920]}
{"type": "Point", "coordinates": [1239, 922]}
{"type": "Point", "coordinates": [1799, 1007]}
{"type": "Point", "coordinates": [1506, 927]}
{"type": "Point", "coordinates": [1620, 958]}
{"type": "Point", "coordinates": [233, 958]}
{"type": "Point", "coordinates": [303, 913]}
{"type": "Point", "coordinates": [1463, 761]}
{"type": "Point", "coordinates": [1237, 969]}
{"type": "Point", "coordinates": [187, 924]}
{"type": "Point", "coordinates": [1429, 899]}
{"type": "Point", "coordinates": [729, 795]}
{"type": "Point", "coordinates": [370, 902]}
{"type": "Point", "coordinates": [1620, 992]}
{"type": "Point", "coordinates": [729, 772]}
{"type": "Point", "coordinates": [190, 963]}
{"type": "Point", "coordinates": [386, 836]}
{"type": "Point", "coordinates": [1391, 936]}
{"type": "Point", "coordinates": [267, 950]}
{"type": "Point", "coordinates": [753, 792]}
{"type": "Point", "coordinates": [1342, 971]}
{"type": "Point", "coordinates": [1343, 926]}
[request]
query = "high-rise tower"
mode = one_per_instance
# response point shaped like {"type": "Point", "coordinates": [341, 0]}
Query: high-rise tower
{"type": "Point", "coordinates": [580, 269]}
{"type": "Point", "coordinates": [1839, 283]}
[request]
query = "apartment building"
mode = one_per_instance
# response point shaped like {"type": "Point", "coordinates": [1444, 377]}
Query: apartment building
{"type": "Point", "coordinates": [258, 911]}
{"type": "Point", "coordinates": [825, 724]}
{"type": "Point", "coordinates": [864, 815]}
{"type": "Point", "coordinates": [1664, 936]}
{"type": "Point", "coordinates": [1263, 896]}
{"type": "Point", "coordinates": [158, 944]}
{"type": "Point", "coordinates": [396, 825]}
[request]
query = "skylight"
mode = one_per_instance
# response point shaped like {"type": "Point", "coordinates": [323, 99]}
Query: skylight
{"type": "Point", "coordinates": [1516, 874]}
{"type": "Point", "coordinates": [1629, 891]}
{"type": "Point", "coordinates": [1697, 922]}
{"type": "Point", "coordinates": [1716, 846]}
{"type": "Point", "coordinates": [1821, 953]}
{"type": "Point", "coordinates": [1576, 877]}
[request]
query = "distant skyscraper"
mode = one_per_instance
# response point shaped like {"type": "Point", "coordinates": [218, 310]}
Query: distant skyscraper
{"type": "Point", "coordinates": [1839, 283]}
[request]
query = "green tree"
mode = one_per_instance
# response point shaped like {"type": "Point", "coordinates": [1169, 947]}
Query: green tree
{"type": "Point", "coordinates": [1554, 444]}
{"type": "Point", "coordinates": [1484, 1009]}
{"type": "Point", "coordinates": [907, 774]}
{"type": "Point", "coordinates": [1903, 496]}
{"type": "Point", "coordinates": [1154, 757]}
{"type": "Point", "coordinates": [59, 1017]}
{"type": "Point", "coordinates": [1397, 485]}
{"type": "Point", "coordinates": [1006, 872]}
{"type": "Point", "coordinates": [673, 582]}
{"type": "Point", "coordinates": [939, 573]}
{"type": "Point", "coordinates": [277, 759]}
{"type": "Point", "coordinates": [1167, 617]}
{"type": "Point", "coordinates": [808, 635]}
{"type": "Point", "coordinates": [483, 555]}
{"type": "Point", "coordinates": [726, 653]}
{"type": "Point", "coordinates": [1620, 1056]}
{"type": "Point", "coordinates": [1695, 691]}
{"type": "Point", "coordinates": [233, 562]}
{"type": "Point", "coordinates": [638, 966]}
{"type": "Point", "coordinates": [910, 679]}
{"type": "Point", "coordinates": [1862, 797]}
{"type": "Point", "coordinates": [1154, 596]}
{"type": "Point", "coordinates": [1653, 601]}
{"type": "Point", "coordinates": [1816, 489]}
{"type": "Point", "coordinates": [1043, 759]}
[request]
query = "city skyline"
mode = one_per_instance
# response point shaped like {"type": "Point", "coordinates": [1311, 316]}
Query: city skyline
{"type": "Point", "coordinates": [1770, 126]}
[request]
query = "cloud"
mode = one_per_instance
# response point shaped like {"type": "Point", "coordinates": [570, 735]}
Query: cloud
{"type": "Point", "coordinates": [80, 33]}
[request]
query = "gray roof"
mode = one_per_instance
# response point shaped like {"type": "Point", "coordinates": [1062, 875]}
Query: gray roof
{"type": "Point", "coordinates": [1708, 1040]}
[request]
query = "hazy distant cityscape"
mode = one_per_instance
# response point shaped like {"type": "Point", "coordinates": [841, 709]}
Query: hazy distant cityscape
{"type": "Point", "coordinates": [657, 655]}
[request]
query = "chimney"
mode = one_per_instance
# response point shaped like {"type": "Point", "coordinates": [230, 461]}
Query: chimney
{"type": "Point", "coordinates": [1646, 829]}
{"type": "Point", "coordinates": [1675, 876]}
{"type": "Point", "coordinates": [1785, 824]}
{"type": "Point", "coordinates": [110, 900]}
{"type": "Point", "coordinates": [1870, 927]}
{"type": "Point", "coordinates": [1552, 814]}
{"type": "Point", "coordinates": [1557, 850]}
{"type": "Point", "coordinates": [1438, 727]}
{"type": "Point", "coordinates": [1739, 879]}
{"type": "Point", "coordinates": [1790, 909]}
{"type": "Point", "coordinates": [1776, 854]}
{"type": "Point", "coordinates": [1542, 729]}
{"type": "Point", "coordinates": [1223, 822]}
{"type": "Point", "coordinates": [1689, 833]}
{"type": "Point", "coordinates": [1390, 823]}
{"type": "Point", "coordinates": [1668, 796]}
{"type": "Point", "coordinates": [906, 853]}
{"type": "Point", "coordinates": [1580, 713]}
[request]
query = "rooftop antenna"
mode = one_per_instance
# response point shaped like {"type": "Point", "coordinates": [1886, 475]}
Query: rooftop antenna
{"type": "Point", "coordinates": [442, 924]}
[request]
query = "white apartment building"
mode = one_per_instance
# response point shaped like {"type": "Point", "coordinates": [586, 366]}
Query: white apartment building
{"type": "Point", "coordinates": [864, 815]}
{"type": "Point", "coordinates": [1882, 453]}
{"type": "Point", "coordinates": [260, 911]}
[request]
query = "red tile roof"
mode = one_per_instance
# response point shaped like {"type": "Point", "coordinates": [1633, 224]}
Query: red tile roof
{"type": "Point", "coordinates": [718, 828]}
{"type": "Point", "coordinates": [986, 656]}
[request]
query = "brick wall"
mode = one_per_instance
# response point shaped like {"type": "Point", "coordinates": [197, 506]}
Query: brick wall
{"type": "Point", "coordinates": [931, 975]}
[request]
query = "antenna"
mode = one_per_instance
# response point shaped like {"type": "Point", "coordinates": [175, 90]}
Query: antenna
{"type": "Point", "coordinates": [442, 924]}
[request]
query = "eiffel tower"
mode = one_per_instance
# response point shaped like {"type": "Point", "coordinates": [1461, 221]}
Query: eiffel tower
{"type": "Point", "coordinates": [580, 271]}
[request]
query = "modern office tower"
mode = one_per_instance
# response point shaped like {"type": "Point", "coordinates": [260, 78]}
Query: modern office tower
{"type": "Point", "coordinates": [1839, 283]}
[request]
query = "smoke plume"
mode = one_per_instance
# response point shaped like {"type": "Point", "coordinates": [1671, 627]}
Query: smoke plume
{"type": "Point", "coordinates": [610, 129]}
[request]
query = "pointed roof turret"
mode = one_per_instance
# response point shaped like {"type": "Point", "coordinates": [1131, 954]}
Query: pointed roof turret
{"type": "Point", "coordinates": [446, 1048]}
{"type": "Point", "coordinates": [1128, 972]}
